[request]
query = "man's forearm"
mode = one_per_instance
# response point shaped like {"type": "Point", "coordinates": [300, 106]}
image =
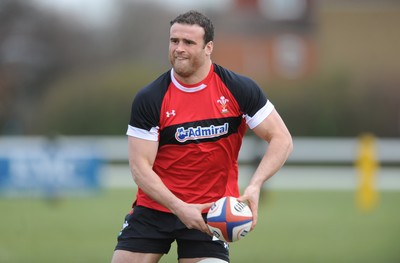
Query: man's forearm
{"type": "Point", "coordinates": [150, 183]}
{"type": "Point", "coordinates": [276, 155]}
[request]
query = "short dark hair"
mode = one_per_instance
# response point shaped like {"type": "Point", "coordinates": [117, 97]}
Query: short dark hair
{"type": "Point", "coordinates": [193, 17]}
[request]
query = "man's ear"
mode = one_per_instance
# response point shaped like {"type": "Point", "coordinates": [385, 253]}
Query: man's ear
{"type": "Point", "coordinates": [209, 48]}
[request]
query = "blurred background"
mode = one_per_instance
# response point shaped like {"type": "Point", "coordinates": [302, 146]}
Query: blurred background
{"type": "Point", "coordinates": [330, 66]}
{"type": "Point", "coordinates": [69, 70]}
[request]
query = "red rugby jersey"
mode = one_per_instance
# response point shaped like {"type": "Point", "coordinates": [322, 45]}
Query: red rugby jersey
{"type": "Point", "coordinates": [199, 129]}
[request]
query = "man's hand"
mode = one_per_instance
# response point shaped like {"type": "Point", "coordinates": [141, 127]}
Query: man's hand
{"type": "Point", "coordinates": [251, 196]}
{"type": "Point", "coordinates": [191, 216]}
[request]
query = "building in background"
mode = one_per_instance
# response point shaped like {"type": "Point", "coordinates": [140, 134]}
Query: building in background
{"type": "Point", "coordinates": [268, 39]}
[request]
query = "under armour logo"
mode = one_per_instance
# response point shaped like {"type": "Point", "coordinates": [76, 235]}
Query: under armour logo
{"type": "Point", "coordinates": [226, 245]}
{"type": "Point", "coordinates": [169, 114]}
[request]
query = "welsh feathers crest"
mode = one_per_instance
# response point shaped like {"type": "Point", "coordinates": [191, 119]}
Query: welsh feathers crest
{"type": "Point", "coordinates": [223, 102]}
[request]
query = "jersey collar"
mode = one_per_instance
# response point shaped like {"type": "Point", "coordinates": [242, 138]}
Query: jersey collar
{"type": "Point", "coordinates": [191, 88]}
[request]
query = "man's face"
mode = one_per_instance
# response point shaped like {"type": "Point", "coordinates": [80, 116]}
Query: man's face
{"type": "Point", "coordinates": [187, 51]}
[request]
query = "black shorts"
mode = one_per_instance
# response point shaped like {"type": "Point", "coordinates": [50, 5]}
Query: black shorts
{"type": "Point", "coordinates": [150, 231]}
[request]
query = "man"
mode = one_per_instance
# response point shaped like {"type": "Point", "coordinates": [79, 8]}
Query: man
{"type": "Point", "coordinates": [184, 137]}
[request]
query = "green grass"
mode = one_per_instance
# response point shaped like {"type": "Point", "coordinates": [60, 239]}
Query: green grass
{"type": "Point", "coordinates": [294, 226]}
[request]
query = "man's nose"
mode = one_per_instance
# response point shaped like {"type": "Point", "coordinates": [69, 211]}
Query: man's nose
{"type": "Point", "coordinates": [179, 46]}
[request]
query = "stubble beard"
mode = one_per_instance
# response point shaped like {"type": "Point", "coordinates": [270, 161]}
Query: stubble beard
{"type": "Point", "coordinates": [183, 68]}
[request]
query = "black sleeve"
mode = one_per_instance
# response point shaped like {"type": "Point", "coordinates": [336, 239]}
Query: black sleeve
{"type": "Point", "coordinates": [246, 91]}
{"type": "Point", "coordinates": [146, 106]}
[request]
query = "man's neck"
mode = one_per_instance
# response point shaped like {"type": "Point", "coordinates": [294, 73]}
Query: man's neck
{"type": "Point", "coordinates": [200, 75]}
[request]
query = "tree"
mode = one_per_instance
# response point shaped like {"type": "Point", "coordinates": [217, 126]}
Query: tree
{"type": "Point", "coordinates": [37, 46]}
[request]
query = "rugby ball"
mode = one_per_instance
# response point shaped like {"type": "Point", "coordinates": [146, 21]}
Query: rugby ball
{"type": "Point", "coordinates": [229, 220]}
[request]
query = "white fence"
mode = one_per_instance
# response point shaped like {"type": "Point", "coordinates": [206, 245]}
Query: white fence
{"type": "Point", "coordinates": [316, 163]}
{"type": "Point", "coordinates": [329, 163]}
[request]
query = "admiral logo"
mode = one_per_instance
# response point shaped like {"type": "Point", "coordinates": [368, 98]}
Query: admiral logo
{"type": "Point", "coordinates": [183, 135]}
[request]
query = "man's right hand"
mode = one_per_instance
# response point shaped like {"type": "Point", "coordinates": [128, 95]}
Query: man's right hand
{"type": "Point", "coordinates": [191, 216]}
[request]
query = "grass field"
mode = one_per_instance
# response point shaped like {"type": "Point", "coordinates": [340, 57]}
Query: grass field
{"type": "Point", "coordinates": [294, 226]}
